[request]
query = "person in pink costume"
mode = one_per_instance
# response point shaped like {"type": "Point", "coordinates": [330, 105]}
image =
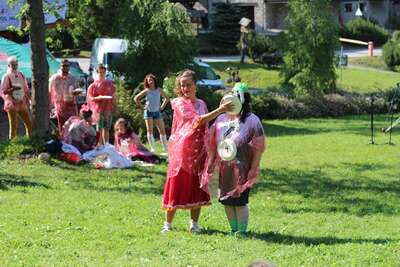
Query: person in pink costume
{"type": "Point", "coordinates": [63, 89]}
{"type": "Point", "coordinates": [79, 132]}
{"type": "Point", "coordinates": [128, 143]}
{"type": "Point", "coordinates": [238, 174]}
{"type": "Point", "coordinates": [15, 93]}
{"type": "Point", "coordinates": [187, 151]}
{"type": "Point", "coordinates": [102, 101]}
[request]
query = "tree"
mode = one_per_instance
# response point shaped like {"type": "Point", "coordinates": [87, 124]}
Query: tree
{"type": "Point", "coordinates": [161, 39]}
{"type": "Point", "coordinates": [225, 28]}
{"type": "Point", "coordinates": [92, 19]}
{"type": "Point", "coordinates": [311, 42]}
{"type": "Point", "coordinates": [40, 68]}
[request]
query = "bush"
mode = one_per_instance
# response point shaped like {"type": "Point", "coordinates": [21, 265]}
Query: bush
{"type": "Point", "coordinates": [391, 52]}
{"type": "Point", "coordinates": [269, 105]}
{"type": "Point", "coordinates": [365, 30]}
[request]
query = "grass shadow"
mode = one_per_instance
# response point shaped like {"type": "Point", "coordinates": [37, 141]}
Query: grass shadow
{"type": "Point", "coordinates": [358, 195]}
{"type": "Point", "coordinates": [271, 237]}
{"type": "Point", "coordinates": [7, 181]}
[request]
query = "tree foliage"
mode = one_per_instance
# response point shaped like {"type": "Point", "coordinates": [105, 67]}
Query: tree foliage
{"type": "Point", "coordinates": [225, 28]}
{"type": "Point", "coordinates": [92, 19]}
{"type": "Point", "coordinates": [161, 40]}
{"type": "Point", "coordinates": [311, 41]}
{"type": "Point", "coordinates": [391, 51]}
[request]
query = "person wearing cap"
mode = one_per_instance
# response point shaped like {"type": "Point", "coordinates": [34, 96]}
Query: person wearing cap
{"type": "Point", "coordinates": [238, 162]}
{"type": "Point", "coordinates": [15, 93]}
{"type": "Point", "coordinates": [63, 89]}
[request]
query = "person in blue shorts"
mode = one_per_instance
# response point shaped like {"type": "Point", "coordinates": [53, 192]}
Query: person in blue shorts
{"type": "Point", "coordinates": [152, 110]}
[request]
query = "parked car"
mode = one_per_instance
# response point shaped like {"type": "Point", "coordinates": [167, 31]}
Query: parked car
{"type": "Point", "coordinates": [207, 76]}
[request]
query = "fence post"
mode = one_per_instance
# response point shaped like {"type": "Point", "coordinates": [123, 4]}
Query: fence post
{"type": "Point", "coordinates": [370, 49]}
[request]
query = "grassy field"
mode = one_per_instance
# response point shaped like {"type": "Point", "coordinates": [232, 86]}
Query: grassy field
{"type": "Point", "coordinates": [375, 62]}
{"type": "Point", "coordinates": [349, 79]}
{"type": "Point", "coordinates": [326, 197]}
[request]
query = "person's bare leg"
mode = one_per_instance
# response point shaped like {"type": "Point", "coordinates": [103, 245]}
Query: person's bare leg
{"type": "Point", "coordinates": [194, 215]}
{"type": "Point", "coordinates": [242, 213]}
{"type": "Point", "coordinates": [150, 136]}
{"type": "Point", "coordinates": [163, 137]}
{"type": "Point", "coordinates": [106, 136]}
{"type": "Point", "coordinates": [230, 212]}
{"type": "Point", "coordinates": [169, 216]}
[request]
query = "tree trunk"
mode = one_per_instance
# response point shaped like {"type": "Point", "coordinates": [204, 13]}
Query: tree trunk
{"type": "Point", "coordinates": [40, 69]}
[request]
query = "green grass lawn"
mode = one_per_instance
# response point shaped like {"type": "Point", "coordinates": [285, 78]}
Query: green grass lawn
{"type": "Point", "coordinates": [349, 79]}
{"type": "Point", "coordinates": [369, 62]}
{"type": "Point", "coordinates": [326, 197]}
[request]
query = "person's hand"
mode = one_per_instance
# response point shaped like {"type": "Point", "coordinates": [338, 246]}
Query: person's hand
{"type": "Point", "coordinates": [253, 172]}
{"type": "Point", "coordinates": [228, 106]}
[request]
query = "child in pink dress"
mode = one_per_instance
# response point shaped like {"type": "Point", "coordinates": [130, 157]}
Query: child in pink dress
{"type": "Point", "coordinates": [102, 101]}
{"type": "Point", "coordinates": [187, 152]}
{"type": "Point", "coordinates": [128, 143]}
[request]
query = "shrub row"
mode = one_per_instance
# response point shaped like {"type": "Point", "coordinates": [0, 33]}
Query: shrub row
{"type": "Point", "coordinates": [269, 105]}
{"type": "Point", "coordinates": [365, 30]}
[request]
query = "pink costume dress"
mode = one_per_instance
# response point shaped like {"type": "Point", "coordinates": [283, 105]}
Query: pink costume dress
{"type": "Point", "coordinates": [186, 153]}
{"type": "Point", "coordinates": [234, 175]}
{"type": "Point", "coordinates": [103, 107]}
{"type": "Point", "coordinates": [17, 100]}
{"type": "Point", "coordinates": [79, 133]}
{"type": "Point", "coordinates": [62, 98]}
{"type": "Point", "coordinates": [129, 145]}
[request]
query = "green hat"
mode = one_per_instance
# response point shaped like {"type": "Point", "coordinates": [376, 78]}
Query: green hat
{"type": "Point", "coordinates": [241, 87]}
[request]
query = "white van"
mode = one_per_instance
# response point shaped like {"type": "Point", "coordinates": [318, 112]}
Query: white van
{"type": "Point", "coordinates": [106, 51]}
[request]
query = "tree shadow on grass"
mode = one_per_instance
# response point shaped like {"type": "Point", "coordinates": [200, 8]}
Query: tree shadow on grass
{"type": "Point", "coordinates": [7, 181]}
{"type": "Point", "coordinates": [271, 237]}
{"type": "Point", "coordinates": [357, 195]}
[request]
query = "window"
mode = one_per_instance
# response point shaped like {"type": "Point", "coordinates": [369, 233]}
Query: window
{"type": "Point", "coordinates": [348, 8]}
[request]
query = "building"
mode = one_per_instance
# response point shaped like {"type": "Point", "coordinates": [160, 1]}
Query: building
{"type": "Point", "coordinates": [270, 15]}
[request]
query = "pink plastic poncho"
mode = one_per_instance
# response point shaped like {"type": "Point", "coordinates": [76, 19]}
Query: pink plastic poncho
{"type": "Point", "coordinates": [79, 133]}
{"type": "Point", "coordinates": [234, 175]}
{"type": "Point", "coordinates": [129, 145]}
{"type": "Point", "coordinates": [61, 94]}
{"type": "Point", "coordinates": [101, 88]}
{"type": "Point", "coordinates": [187, 146]}
{"type": "Point", "coordinates": [19, 99]}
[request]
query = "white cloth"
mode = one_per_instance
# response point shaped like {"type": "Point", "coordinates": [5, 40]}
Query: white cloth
{"type": "Point", "coordinates": [108, 157]}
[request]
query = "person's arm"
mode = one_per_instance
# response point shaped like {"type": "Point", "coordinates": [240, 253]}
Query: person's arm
{"type": "Point", "coordinates": [6, 85]}
{"type": "Point", "coordinates": [203, 119]}
{"type": "Point", "coordinates": [165, 101]}
{"type": "Point", "coordinates": [140, 96]}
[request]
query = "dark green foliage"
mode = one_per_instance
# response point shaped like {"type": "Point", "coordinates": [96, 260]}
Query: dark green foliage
{"type": "Point", "coordinates": [391, 52]}
{"type": "Point", "coordinates": [365, 30]}
{"type": "Point", "coordinates": [269, 105]}
{"type": "Point", "coordinates": [93, 19]}
{"type": "Point", "coordinates": [258, 45]}
{"type": "Point", "coordinates": [311, 42]}
{"type": "Point", "coordinates": [225, 28]}
{"type": "Point", "coordinates": [161, 40]}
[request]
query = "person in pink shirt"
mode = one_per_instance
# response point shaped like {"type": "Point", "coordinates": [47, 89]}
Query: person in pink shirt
{"type": "Point", "coordinates": [102, 101]}
{"type": "Point", "coordinates": [187, 151]}
{"type": "Point", "coordinates": [63, 88]}
{"type": "Point", "coordinates": [15, 93]}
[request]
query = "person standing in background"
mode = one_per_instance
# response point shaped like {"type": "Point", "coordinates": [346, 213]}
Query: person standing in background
{"type": "Point", "coordinates": [15, 93]}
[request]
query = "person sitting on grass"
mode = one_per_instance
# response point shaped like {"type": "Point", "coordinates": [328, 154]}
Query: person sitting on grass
{"type": "Point", "coordinates": [128, 143]}
{"type": "Point", "coordinates": [79, 132]}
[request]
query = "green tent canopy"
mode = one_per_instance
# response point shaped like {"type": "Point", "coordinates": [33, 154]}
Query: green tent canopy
{"type": "Point", "coordinates": [23, 53]}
